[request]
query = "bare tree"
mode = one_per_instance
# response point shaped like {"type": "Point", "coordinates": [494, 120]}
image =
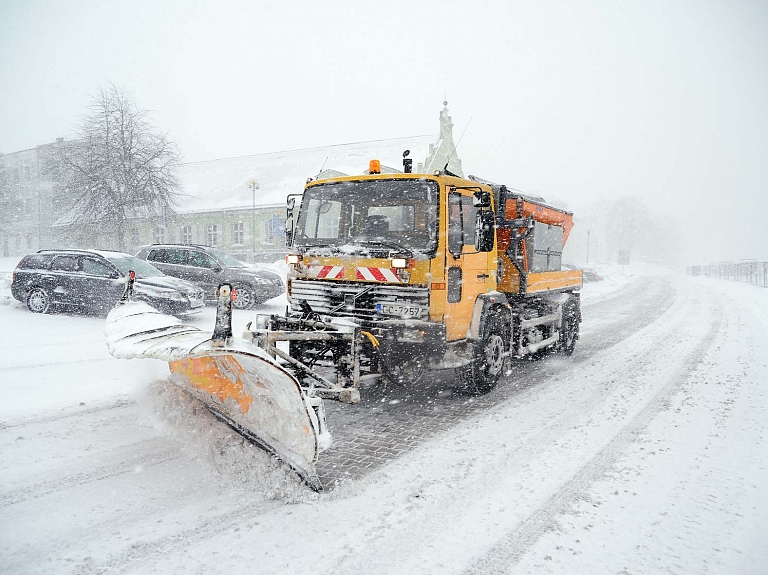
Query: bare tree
{"type": "Point", "coordinates": [626, 223]}
{"type": "Point", "coordinates": [118, 168]}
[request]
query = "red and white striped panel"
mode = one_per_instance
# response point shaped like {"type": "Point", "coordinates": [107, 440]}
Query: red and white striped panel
{"type": "Point", "coordinates": [329, 272]}
{"type": "Point", "coordinates": [377, 274]}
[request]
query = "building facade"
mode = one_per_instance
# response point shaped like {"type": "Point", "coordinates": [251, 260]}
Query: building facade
{"type": "Point", "coordinates": [28, 204]}
{"type": "Point", "coordinates": [235, 204]}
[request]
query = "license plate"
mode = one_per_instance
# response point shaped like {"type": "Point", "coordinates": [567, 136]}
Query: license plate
{"type": "Point", "coordinates": [398, 309]}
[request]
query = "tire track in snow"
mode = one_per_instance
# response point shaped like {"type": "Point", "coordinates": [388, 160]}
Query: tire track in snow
{"type": "Point", "coordinates": [414, 417]}
{"type": "Point", "coordinates": [541, 425]}
{"type": "Point", "coordinates": [506, 553]}
{"type": "Point", "coordinates": [45, 419]}
{"type": "Point", "coordinates": [370, 434]}
{"type": "Point", "coordinates": [149, 457]}
{"type": "Point", "coordinates": [55, 363]}
{"type": "Point", "coordinates": [240, 518]}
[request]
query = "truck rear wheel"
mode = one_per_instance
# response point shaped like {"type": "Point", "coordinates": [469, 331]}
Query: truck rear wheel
{"type": "Point", "coordinates": [482, 374]}
{"type": "Point", "coordinates": [569, 330]}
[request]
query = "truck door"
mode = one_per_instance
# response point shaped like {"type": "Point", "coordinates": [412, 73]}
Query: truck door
{"type": "Point", "coordinates": [467, 273]}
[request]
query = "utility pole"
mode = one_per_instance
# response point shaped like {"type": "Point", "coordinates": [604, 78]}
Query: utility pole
{"type": "Point", "coordinates": [253, 184]}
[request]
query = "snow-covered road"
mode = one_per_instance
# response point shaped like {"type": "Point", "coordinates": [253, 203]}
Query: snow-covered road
{"type": "Point", "coordinates": [643, 453]}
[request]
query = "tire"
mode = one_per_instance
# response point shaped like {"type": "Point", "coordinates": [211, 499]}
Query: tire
{"type": "Point", "coordinates": [245, 298]}
{"type": "Point", "coordinates": [569, 330]}
{"type": "Point", "coordinates": [38, 300]}
{"type": "Point", "coordinates": [484, 371]}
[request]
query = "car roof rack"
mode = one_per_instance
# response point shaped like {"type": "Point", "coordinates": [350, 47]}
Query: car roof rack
{"type": "Point", "coordinates": [177, 245]}
{"type": "Point", "coordinates": [67, 250]}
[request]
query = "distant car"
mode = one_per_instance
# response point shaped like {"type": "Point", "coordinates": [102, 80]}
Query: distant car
{"type": "Point", "coordinates": [94, 280]}
{"type": "Point", "coordinates": [591, 275]}
{"type": "Point", "coordinates": [587, 274]}
{"type": "Point", "coordinates": [209, 268]}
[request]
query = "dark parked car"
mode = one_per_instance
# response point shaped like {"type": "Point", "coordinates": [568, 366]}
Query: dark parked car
{"type": "Point", "coordinates": [94, 280]}
{"type": "Point", "coordinates": [209, 268]}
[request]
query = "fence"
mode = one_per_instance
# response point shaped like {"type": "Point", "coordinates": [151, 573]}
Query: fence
{"type": "Point", "coordinates": [755, 273]}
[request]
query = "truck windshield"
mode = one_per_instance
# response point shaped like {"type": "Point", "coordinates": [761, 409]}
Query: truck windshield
{"type": "Point", "coordinates": [396, 214]}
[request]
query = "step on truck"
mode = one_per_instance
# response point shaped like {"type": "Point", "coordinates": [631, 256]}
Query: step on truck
{"type": "Point", "coordinates": [395, 274]}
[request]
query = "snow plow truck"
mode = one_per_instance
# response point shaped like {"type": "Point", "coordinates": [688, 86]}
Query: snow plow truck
{"type": "Point", "coordinates": [390, 275]}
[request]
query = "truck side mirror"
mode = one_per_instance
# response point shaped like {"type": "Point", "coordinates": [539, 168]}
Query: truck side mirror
{"type": "Point", "coordinates": [289, 229]}
{"type": "Point", "coordinates": [481, 199]}
{"type": "Point", "coordinates": [484, 230]}
{"type": "Point", "coordinates": [290, 205]}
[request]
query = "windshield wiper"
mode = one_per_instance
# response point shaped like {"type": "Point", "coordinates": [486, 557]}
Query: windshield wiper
{"type": "Point", "coordinates": [394, 246]}
{"type": "Point", "coordinates": [308, 247]}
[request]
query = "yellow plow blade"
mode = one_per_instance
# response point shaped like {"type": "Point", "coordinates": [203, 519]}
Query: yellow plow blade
{"type": "Point", "coordinates": [235, 380]}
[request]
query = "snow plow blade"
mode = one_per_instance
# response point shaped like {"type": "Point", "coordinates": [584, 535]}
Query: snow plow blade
{"type": "Point", "coordinates": [236, 381]}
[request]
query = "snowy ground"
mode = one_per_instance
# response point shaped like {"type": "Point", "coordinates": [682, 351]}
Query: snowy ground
{"type": "Point", "coordinates": [643, 453]}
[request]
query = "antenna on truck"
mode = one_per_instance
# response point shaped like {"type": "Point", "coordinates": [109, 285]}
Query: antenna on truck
{"type": "Point", "coordinates": [321, 167]}
{"type": "Point", "coordinates": [456, 147]}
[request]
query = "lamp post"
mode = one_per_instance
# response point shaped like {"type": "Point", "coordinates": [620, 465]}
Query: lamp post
{"type": "Point", "coordinates": [588, 234]}
{"type": "Point", "coordinates": [253, 184]}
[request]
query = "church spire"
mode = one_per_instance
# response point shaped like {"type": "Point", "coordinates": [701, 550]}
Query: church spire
{"type": "Point", "coordinates": [446, 123]}
{"type": "Point", "coordinates": [444, 150]}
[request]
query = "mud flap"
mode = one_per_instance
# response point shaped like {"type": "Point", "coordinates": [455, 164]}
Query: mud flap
{"type": "Point", "coordinates": [235, 380]}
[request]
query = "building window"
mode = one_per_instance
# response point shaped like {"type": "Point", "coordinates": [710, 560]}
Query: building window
{"type": "Point", "coordinates": [238, 234]}
{"type": "Point", "coordinates": [212, 235]}
{"type": "Point", "coordinates": [186, 235]}
{"type": "Point", "coordinates": [158, 236]}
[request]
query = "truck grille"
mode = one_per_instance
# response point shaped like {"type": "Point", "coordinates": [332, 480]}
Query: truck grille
{"type": "Point", "coordinates": [325, 296]}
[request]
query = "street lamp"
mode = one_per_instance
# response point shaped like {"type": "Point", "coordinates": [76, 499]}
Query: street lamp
{"type": "Point", "coordinates": [588, 234]}
{"type": "Point", "coordinates": [254, 185]}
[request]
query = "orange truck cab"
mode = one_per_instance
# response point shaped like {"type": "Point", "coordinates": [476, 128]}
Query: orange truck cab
{"type": "Point", "coordinates": [437, 271]}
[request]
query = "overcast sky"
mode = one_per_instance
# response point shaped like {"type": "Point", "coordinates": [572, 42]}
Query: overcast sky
{"type": "Point", "coordinates": [573, 100]}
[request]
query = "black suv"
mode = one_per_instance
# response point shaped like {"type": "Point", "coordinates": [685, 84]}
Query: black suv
{"type": "Point", "coordinates": [94, 280]}
{"type": "Point", "coordinates": [209, 268]}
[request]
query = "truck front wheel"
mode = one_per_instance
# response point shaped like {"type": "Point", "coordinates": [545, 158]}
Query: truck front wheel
{"type": "Point", "coordinates": [482, 374]}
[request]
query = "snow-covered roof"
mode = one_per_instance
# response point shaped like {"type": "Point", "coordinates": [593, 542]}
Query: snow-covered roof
{"type": "Point", "coordinates": [223, 184]}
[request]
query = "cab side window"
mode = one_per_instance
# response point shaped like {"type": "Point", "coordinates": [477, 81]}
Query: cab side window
{"type": "Point", "coordinates": [468, 216]}
{"type": "Point", "coordinates": [455, 224]}
{"type": "Point", "coordinates": [202, 260]}
{"type": "Point", "coordinates": [461, 222]}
